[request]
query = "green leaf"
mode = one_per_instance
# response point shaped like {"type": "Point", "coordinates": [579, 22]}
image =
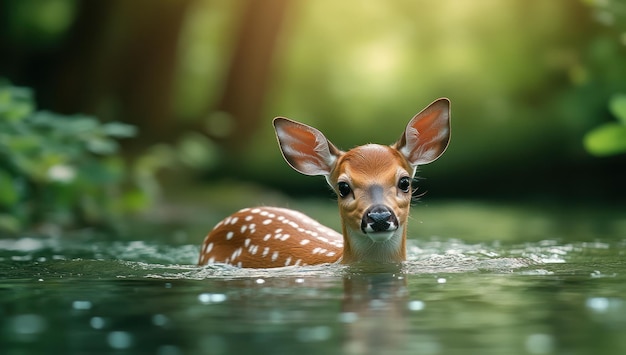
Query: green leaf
{"type": "Point", "coordinates": [80, 125]}
{"type": "Point", "coordinates": [55, 167]}
{"type": "Point", "coordinates": [134, 201]}
{"type": "Point", "coordinates": [197, 151]}
{"type": "Point", "coordinates": [8, 190]}
{"type": "Point", "coordinates": [9, 223]}
{"type": "Point", "coordinates": [103, 146]}
{"type": "Point", "coordinates": [617, 105]}
{"type": "Point", "coordinates": [16, 111]}
{"type": "Point", "coordinates": [21, 145]}
{"type": "Point", "coordinates": [119, 130]}
{"type": "Point", "coordinates": [15, 103]}
{"type": "Point", "coordinates": [607, 139]}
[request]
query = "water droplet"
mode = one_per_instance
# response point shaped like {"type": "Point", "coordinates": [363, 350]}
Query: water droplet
{"type": "Point", "coordinates": [28, 324]}
{"type": "Point", "coordinates": [441, 280]}
{"type": "Point", "coordinates": [204, 297]}
{"type": "Point", "coordinates": [207, 298]}
{"type": "Point", "coordinates": [81, 305]}
{"type": "Point", "coordinates": [120, 340]}
{"type": "Point", "coordinates": [97, 322]}
{"type": "Point", "coordinates": [598, 304]}
{"type": "Point", "coordinates": [416, 305]}
{"type": "Point", "coordinates": [260, 281]}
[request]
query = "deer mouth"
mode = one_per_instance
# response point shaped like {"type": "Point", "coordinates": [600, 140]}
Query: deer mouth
{"type": "Point", "coordinates": [379, 223]}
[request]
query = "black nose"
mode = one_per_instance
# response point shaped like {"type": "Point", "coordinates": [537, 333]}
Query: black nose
{"type": "Point", "coordinates": [378, 218]}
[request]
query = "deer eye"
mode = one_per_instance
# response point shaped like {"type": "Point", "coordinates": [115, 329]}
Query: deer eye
{"type": "Point", "coordinates": [404, 184]}
{"type": "Point", "coordinates": [343, 188]}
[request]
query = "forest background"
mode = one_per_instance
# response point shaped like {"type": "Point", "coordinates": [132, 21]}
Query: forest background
{"type": "Point", "coordinates": [172, 101]}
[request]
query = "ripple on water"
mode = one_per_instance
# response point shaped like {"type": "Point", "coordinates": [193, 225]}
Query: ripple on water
{"type": "Point", "coordinates": [27, 327]}
{"type": "Point", "coordinates": [127, 259]}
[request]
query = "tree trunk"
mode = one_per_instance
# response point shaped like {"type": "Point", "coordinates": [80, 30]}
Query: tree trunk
{"type": "Point", "coordinates": [120, 63]}
{"type": "Point", "coordinates": [248, 77]}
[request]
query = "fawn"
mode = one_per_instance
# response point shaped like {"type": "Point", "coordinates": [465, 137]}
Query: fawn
{"type": "Point", "coordinates": [373, 184]}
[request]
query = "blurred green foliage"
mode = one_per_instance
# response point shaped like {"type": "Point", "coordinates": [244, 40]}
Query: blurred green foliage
{"type": "Point", "coordinates": [60, 171]}
{"type": "Point", "coordinates": [610, 138]}
{"type": "Point", "coordinates": [528, 85]}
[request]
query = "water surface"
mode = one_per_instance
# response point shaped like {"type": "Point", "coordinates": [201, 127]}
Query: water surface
{"type": "Point", "coordinates": [451, 297]}
{"type": "Point", "coordinates": [95, 295]}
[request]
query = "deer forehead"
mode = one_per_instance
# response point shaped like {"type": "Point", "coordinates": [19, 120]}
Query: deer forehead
{"type": "Point", "coordinates": [371, 164]}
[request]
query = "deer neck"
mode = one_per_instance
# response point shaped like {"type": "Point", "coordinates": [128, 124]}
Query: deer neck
{"type": "Point", "coordinates": [360, 248]}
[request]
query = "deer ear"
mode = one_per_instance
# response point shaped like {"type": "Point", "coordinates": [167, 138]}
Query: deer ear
{"type": "Point", "coordinates": [427, 135]}
{"type": "Point", "coordinates": [305, 148]}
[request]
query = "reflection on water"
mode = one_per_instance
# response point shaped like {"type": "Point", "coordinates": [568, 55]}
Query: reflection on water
{"type": "Point", "coordinates": [450, 297]}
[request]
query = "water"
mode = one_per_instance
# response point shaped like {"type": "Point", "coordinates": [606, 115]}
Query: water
{"type": "Point", "coordinates": [88, 295]}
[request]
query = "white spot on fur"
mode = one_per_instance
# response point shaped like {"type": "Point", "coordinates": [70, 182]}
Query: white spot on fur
{"type": "Point", "coordinates": [249, 218]}
{"type": "Point", "coordinates": [236, 254]}
{"type": "Point", "coordinates": [304, 242]}
{"type": "Point", "coordinates": [266, 251]}
{"type": "Point", "coordinates": [267, 221]}
{"type": "Point", "coordinates": [253, 249]}
{"type": "Point", "coordinates": [288, 261]}
{"type": "Point", "coordinates": [208, 248]}
{"type": "Point", "coordinates": [267, 237]}
{"type": "Point", "coordinates": [246, 242]}
{"type": "Point", "coordinates": [230, 235]}
{"type": "Point", "coordinates": [274, 256]}
{"type": "Point", "coordinates": [256, 210]}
